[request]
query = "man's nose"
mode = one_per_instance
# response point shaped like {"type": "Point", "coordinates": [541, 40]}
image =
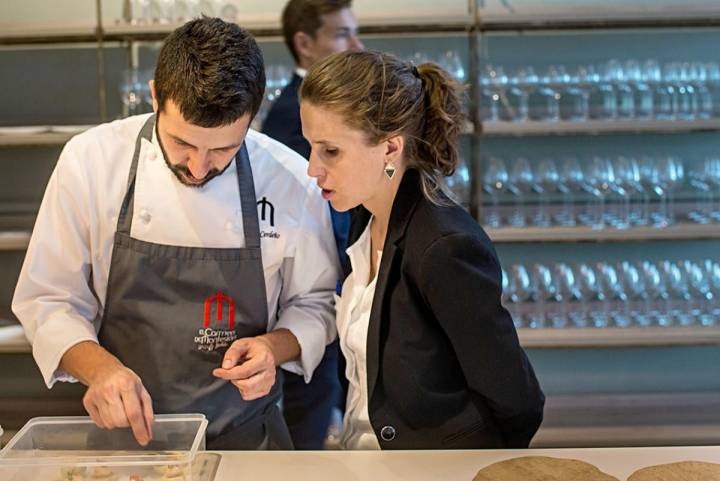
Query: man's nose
{"type": "Point", "coordinates": [199, 164]}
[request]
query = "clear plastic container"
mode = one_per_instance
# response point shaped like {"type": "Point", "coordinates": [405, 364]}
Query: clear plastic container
{"type": "Point", "coordinates": [74, 449]}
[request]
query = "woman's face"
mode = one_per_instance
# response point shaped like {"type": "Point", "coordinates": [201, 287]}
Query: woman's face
{"type": "Point", "coordinates": [349, 171]}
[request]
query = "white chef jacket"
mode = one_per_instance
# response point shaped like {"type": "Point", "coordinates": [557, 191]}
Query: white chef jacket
{"type": "Point", "coordinates": [60, 294]}
{"type": "Point", "coordinates": [353, 320]}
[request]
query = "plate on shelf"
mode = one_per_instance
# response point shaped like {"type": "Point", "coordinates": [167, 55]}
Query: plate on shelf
{"type": "Point", "coordinates": [69, 129]}
{"type": "Point", "coordinates": [24, 130]}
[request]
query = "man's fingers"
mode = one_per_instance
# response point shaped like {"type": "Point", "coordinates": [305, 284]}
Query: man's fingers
{"type": "Point", "coordinates": [148, 412]}
{"type": "Point", "coordinates": [256, 386]}
{"type": "Point", "coordinates": [93, 412]}
{"type": "Point", "coordinates": [133, 408]}
{"type": "Point", "coordinates": [105, 413]}
{"type": "Point", "coordinates": [116, 411]}
{"type": "Point", "coordinates": [245, 370]}
{"type": "Point", "coordinates": [235, 353]}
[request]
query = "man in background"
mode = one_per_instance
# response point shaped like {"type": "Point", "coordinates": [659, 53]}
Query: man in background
{"type": "Point", "coordinates": [313, 29]}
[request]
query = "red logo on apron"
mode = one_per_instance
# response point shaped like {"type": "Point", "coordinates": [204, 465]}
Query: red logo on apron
{"type": "Point", "coordinates": [220, 299]}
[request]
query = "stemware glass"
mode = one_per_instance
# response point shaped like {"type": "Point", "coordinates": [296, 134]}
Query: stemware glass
{"type": "Point", "coordinates": [593, 298]}
{"type": "Point", "coordinates": [521, 182]}
{"type": "Point", "coordinates": [602, 96]}
{"type": "Point", "coordinates": [614, 72]}
{"type": "Point", "coordinates": [495, 180]}
{"type": "Point", "coordinates": [664, 97]}
{"type": "Point", "coordinates": [549, 182]}
{"type": "Point", "coordinates": [639, 83]}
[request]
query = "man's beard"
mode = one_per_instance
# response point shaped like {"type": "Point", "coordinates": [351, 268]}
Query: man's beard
{"type": "Point", "coordinates": [182, 172]}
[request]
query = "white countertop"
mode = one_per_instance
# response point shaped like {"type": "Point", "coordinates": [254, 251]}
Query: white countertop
{"type": "Point", "coordinates": [433, 465]}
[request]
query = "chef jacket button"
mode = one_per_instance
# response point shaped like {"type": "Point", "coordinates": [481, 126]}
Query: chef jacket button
{"type": "Point", "coordinates": [387, 433]}
{"type": "Point", "coordinates": [152, 155]}
{"type": "Point", "coordinates": [145, 217]}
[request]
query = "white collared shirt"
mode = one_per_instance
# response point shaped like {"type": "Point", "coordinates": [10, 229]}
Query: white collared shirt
{"type": "Point", "coordinates": [353, 319]}
{"type": "Point", "coordinates": [60, 295]}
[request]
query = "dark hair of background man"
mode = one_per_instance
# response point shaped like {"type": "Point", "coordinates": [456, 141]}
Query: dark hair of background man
{"type": "Point", "coordinates": [213, 70]}
{"type": "Point", "coordinates": [304, 16]}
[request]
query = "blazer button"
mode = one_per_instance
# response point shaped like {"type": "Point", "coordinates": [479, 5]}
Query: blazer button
{"type": "Point", "coordinates": [387, 433]}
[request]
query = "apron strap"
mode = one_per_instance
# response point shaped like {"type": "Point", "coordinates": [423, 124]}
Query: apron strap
{"type": "Point", "coordinates": [248, 201]}
{"type": "Point", "coordinates": [124, 222]}
{"type": "Point", "coordinates": [246, 187]}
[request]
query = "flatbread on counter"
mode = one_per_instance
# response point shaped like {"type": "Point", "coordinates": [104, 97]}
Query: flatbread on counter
{"type": "Point", "coordinates": [542, 468]}
{"type": "Point", "coordinates": [682, 471]}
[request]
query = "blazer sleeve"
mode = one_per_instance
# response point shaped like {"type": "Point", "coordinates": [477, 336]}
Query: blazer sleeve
{"type": "Point", "coordinates": [460, 278]}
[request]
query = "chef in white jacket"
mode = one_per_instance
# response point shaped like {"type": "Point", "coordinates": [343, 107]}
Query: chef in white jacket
{"type": "Point", "coordinates": [179, 258]}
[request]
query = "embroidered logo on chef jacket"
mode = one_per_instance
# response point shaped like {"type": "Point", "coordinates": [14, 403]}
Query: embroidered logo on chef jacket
{"type": "Point", "coordinates": [266, 214]}
{"type": "Point", "coordinates": [211, 338]}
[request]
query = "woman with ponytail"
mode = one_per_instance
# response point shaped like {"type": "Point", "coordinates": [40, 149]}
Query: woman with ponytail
{"type": "Point", "coordinates": [432, 358]}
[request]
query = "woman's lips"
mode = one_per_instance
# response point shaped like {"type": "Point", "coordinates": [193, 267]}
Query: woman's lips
{"type": "Point", "coordinates": [327, 193]}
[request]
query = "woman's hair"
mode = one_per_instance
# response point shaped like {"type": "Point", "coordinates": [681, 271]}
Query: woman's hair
{"type": "Point", "coordinates": [383, 96]}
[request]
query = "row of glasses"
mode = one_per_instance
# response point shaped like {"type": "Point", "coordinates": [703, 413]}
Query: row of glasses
{"type": "Point", "coordinates": [706, 181]}
{"type": "Point", "coordinates": [450, 61]}
{"type": "Point", "coordinates": [459, 183]}
{"type": "Point", "coordinates": [625, 294]}
{"type": "Point", "coordinates": [145, 12]}
{"type": "Point", "coordinates": [601, 192]}
{"type": "Point", "coordinates": [612, 90]}
{"type": "Point", "coordinates": [134, 90]}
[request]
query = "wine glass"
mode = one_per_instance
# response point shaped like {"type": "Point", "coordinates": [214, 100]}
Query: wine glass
{"type": "Point", "coordinates": [495, 180]}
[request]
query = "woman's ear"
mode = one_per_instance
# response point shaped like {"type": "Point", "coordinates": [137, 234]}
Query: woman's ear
{"type": "Point", "coordinates": [394, 148]}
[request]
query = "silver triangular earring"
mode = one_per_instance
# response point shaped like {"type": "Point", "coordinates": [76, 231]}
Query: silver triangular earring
{"type": "Point", "coordinates": [389, 170]}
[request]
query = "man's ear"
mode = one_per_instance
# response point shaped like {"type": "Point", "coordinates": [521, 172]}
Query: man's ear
{"type": "Point", "coordinates": [154, 96]}
{"type": "Point", "coordinates": [305, 48]}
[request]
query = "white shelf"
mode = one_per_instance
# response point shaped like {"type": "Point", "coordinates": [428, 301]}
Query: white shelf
{"type": "Point", "coordinates": [14, 240]}
{"type": "Point", "coordinates": [38, 136]}
{"type": "Point", "coordinates": [557, 13]}
{"type": "Point", "coordinates": [597, 127]}
{"type": "Point", "coordinates": [265, 27]}
{"type": "Point", "coordinates": [619, 337]}
{"type": "Point", "coordinates": [582, 233]}
{"type": "Point", "coordinates": [14, 33]}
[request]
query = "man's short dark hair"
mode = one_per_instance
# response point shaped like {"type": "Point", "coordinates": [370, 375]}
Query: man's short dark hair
{"type": "Point", "coordinates": [213, 70]}
{"type": "Point", "coordinates": [304, 16]}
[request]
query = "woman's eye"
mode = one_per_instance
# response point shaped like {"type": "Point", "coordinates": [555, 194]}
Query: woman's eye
{"type": "Point", "coordinates": [331, 152]}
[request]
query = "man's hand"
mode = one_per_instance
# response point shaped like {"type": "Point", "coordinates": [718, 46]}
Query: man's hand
{"type": "Point", "coordinates": [116, 397]}
{"type": "Point", "coordinates": [250, 362]}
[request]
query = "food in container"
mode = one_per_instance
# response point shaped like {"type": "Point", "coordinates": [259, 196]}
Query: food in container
{"type": "Point", "coordinates": [74, 449]}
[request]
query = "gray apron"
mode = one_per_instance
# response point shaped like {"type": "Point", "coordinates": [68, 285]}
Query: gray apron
{"type": "Point", "coordinates": [171, 312]}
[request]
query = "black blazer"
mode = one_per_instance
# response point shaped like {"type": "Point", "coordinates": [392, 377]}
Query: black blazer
{"type": "Point", "coordinates": [283, 120]}
{"type": "Point", "coordinates": [444, 365]}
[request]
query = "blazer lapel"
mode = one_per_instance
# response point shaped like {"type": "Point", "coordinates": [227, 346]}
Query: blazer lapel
{"type": "Point", "coordinates": [408, 195]}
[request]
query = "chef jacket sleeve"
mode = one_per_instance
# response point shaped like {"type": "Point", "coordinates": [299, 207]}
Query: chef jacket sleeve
{"type": "Point", "coordinates": [310, 272]}
{"type": "Point", "coordinates": [53, 298]}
